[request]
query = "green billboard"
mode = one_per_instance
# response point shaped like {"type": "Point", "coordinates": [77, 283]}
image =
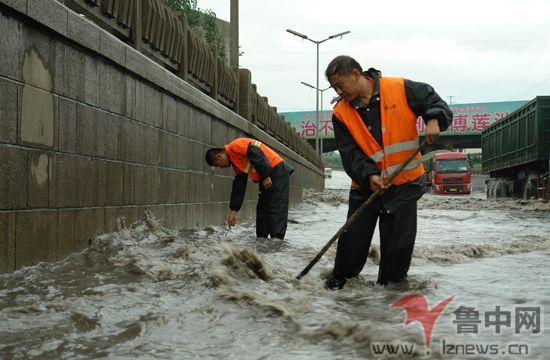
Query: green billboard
{"type": "Point", "coordinates": [468, 119]}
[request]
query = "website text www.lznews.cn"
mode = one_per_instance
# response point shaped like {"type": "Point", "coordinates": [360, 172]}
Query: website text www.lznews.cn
{"type": "Point", "coordinates": [452, 349]}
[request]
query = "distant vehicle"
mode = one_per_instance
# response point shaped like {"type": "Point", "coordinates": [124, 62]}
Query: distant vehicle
{"type": "Point", "coordinates": [516, 151]}
{"type": "Point", "coordinates": [447, 172]}
{"type": "Point", "coordinates": [328, 172]}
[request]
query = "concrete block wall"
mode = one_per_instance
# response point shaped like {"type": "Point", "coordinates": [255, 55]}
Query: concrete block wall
{"type": "Point", "coordinates": [93, 133]}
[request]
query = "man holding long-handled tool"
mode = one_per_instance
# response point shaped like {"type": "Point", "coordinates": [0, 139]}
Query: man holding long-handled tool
{"type": "Point", "coordinates": [375, 129]}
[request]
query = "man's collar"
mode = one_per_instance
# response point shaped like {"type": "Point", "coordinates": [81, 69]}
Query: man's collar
{"type": "Point", "coordinates": [375, 83]}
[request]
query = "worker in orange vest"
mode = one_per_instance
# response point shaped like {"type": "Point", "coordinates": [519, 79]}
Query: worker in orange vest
{"type": "Point", "coordinates": [253, 159]}
{"type": "Point", "coordinates": [374, 123]}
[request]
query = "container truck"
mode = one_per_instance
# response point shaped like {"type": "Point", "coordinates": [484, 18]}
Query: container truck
{"type": "Point", "coordinates": [515, 152]}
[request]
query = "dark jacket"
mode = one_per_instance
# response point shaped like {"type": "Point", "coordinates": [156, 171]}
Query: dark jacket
{"type": "Point", "coordinates": [423, 101]}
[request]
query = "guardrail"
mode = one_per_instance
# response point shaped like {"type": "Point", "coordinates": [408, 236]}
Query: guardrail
{"type": "Point", "coordinates": [163, 35]}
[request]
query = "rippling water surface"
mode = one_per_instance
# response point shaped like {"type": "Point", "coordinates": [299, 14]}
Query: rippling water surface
{"type": "Point", "coordinates": [151, 292]}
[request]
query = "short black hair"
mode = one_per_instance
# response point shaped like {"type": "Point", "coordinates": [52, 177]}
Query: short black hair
{"type": "Point", "coordinates": [342, 65]}
{"type": "Point", "coordinates": [211, 155]}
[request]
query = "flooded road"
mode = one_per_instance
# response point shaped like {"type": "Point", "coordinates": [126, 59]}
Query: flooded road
{"type": "Point", "coordinates": [151, 292]}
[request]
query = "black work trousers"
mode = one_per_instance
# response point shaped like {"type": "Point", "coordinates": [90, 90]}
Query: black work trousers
{"type": "Point", "coordinates": [272, 207]}
{"type": "Point", "coordinates": [397, 236]}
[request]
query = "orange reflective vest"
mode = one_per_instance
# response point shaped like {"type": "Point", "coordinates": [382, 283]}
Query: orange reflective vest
{"type": "Point", "coordinates": [236, 150]}
{"type": "Point", "coordinates": [399, 133]}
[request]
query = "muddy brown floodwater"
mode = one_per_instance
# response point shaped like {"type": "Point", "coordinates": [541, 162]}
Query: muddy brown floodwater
{"type": "Point", "coordinates": [151, 292]}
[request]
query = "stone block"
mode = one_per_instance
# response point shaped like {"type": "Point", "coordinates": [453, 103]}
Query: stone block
{"type": "Point", "coordinates": [39, 172]}
{"type": "Point", "coordinates": [8, 110]}
{"type": "Point", "coordinates": [130, 97]}
{"type": "Point", "coordinates": [7, 242]}
{"type": "Point", "coordinates": [90, 131]}
{"type": "Point", "coordinates": [91, 173]}
{"type": "Point", "coordinates": [37, 118]}
{"type": "Point", "coordinates": [88, 224]}
{"type": "Point", "coordinates": [204, 187]}
{"type": "Point", "coordinates": [205, 128]}
{"type": "Point", "coordinates": [128, 148]}
{"type": "Point", "coordinates": [67, 125]}
{"type": "Point", "coordinates": [153, 181]}
{"type": "Point", "coordinates": [179, 152]}
{"type": "Point", "coordinates": [65, 233]}
{"type": "Point", "coordinates": [193, 215]}
{"type": "Point", "coordinates": [80, 76]}
{"type": "Point", "coordinates": [211, 214]}
{"type": "Point", "coordinates": [153, 111]}
{"type": "Point", "coordinates": [164, 189]}
{"type": "Point", "coordinates": [179, 196]}
{"type": "Point", "coordinates": [87, 181]}
{"type": "Point", "coordinates": [11, 56]}
{"type": "Point", "coordinates": [218, 133]}
{"type": "Point", "coordinates": [64, 181]}
{"type": "Point", "coordinates": [112, 48]}
{"type": "Point", "coordinates": [191, 188]}
{"type": "Point", "coordinates": [129, 184]}
{"type": "Point", "coordinates": [154, 146]}
{"type": "Point", "coordinates": [174, 188]}
{"type": "Point", "coordinates": [170, 114]}
{"type": "Point", "coordinates": [169, 216]}
{"type": "Point", "coordinates": [36, 237]}
{"type": "Point", "coordinates": [187, 151]}
{"type": "Point", "coordinates": [185, 185]}
{"type": "Point", "coordinates": [13, 178]}
{"type": "Point", "coordinates": [183, 114]}
{"type": "Point", "coordinates": [168, 150]}
{"type": "Point", "coordinates": [141, 185]}
{"type": "Point", "coordinates": [180, 216]}
{"type": "Point", "coordinates": [110, 219]}
{"type": "Point", "coordinates": [37, 104]}
{"type": "Point", "coordinates": [100, 166]}
{"type": "Point", "coordinates": [111, 92]}
{"type": "Point", "coordinates": [192, 131]}
{"type": "Point", "coordinates": [114, 183]}
{"type": "Point", "coordinates": [83, 31]}
{"type": "Point", "coordinates": [112, 135]}
{"type": "Point", "coordinates": [52, 14]}
{"type": "Point", "coordinates": [148, 104]}
{"type": "Point", "coordinates": [141, 144]}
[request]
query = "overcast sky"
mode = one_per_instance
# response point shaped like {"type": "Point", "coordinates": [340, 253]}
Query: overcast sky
{"type": "Point", "coordinates": [472, 51]}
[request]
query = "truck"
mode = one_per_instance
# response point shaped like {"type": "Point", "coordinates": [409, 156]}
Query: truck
{"type": "Point", "coordinates": [515, 152]}
{"type": "Point", "coordinates": [447, 172]}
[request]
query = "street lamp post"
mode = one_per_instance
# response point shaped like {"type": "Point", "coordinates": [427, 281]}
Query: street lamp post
{"type": "Point", "coordinates": [320, 111]}
{"type": "Point", "coordinates": [317, 42]}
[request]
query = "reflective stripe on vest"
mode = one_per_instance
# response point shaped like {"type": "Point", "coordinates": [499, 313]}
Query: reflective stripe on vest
{"type": "Point", "coordinates": [399, 133]}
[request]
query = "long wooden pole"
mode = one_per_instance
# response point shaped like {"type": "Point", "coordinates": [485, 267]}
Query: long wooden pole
{"type": "Point", "coordinates": [358, 212]}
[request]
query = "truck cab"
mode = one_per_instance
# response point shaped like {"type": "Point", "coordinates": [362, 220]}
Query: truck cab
{"type": "Point", "coordinates": [451, 173]}
{"type": "Point", "coordinates": [447, 172]}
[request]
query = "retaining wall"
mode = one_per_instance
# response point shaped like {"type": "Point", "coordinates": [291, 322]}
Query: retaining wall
{"type": "Point", "coordinates": [92, 133]}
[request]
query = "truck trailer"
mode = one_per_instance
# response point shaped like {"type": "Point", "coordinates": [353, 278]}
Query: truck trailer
{"type": "Point", "coordinates": [515, 152]}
